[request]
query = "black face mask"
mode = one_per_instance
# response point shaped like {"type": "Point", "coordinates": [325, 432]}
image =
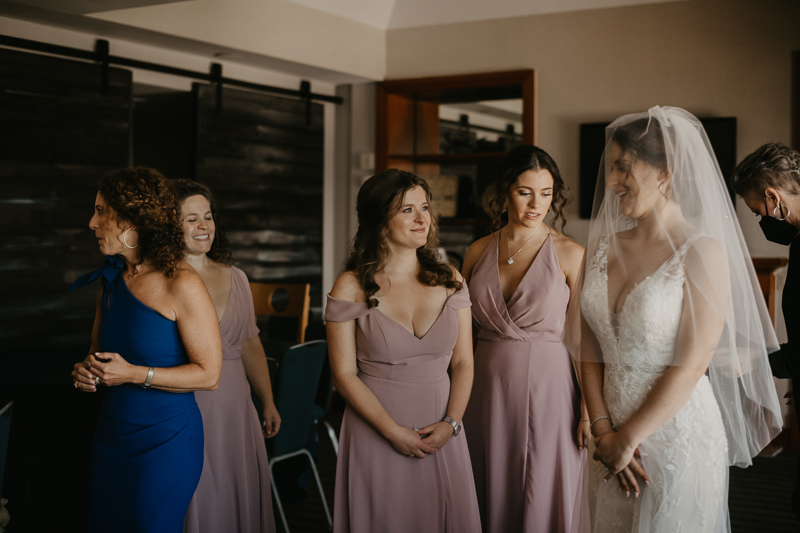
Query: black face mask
{"type": "Point", "coordinates": [779, 231]}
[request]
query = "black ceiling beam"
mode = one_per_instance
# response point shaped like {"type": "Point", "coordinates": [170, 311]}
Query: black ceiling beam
{"type": "Point", "coordinates": [101, 53]}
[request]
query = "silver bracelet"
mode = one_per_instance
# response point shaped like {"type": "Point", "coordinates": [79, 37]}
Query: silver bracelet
{"type": "Point", "coordinates": [452, 422]}
{"type": "Point", "coordinates": [149, 379]}
{"type": "Point", "coordinates": [601, 418]}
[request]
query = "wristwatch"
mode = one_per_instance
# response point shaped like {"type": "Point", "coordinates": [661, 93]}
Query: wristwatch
{"type": "Point", "coordinates": [149, 379]}
{"type": "Point", "coordinates": [456, 425]}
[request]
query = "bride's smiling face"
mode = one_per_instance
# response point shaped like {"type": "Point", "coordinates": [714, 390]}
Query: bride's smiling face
{"type": "Point", "coordinates": [639, 186]}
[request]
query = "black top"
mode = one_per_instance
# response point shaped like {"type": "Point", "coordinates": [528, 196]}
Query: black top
{"type": "Point", "coordinates": [785, 362]}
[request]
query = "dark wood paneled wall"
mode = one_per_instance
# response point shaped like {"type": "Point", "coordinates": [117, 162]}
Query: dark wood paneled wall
{"type": "Point", "coordinates": [59, 134]}
{"type": "Point", "coordinates": [163, 132]}
{"type": "Point", "coordinates": [263, 159]}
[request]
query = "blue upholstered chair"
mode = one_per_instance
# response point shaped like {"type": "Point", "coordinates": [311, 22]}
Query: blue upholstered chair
{"type": "Point", "coordinates": [298, 379]}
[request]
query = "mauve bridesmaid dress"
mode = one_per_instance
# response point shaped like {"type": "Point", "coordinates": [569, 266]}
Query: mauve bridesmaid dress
{"type": "Point", "coordinates": [525, 404]}
{"type": "Point", "coordinates": [234, 490]}
{"type": "Point", "coordinates": [377, 489]}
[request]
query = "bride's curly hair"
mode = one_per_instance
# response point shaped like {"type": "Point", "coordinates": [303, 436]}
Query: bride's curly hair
{"type": "Point", "coordinates": [379, 199]}
{"type": "Point", "coordinates": [147, 201]}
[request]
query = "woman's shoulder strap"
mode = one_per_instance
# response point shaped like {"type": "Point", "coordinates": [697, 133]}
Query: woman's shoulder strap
{"type": "Point", "coordinates": [338, 310]}
{"type": "Point", "coordinates": [345, 308]}
{"type": "Point", "coordinates": [112, 266]}
{"type": "Point", "coordinates": [460, 298]}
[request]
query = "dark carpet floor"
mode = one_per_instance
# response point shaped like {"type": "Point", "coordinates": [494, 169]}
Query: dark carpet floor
{"type": "Point", "coordinates": [759, 499]}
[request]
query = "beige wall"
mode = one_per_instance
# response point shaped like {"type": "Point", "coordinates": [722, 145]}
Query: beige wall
{"type": "Point", "coordinates": [711, 57]}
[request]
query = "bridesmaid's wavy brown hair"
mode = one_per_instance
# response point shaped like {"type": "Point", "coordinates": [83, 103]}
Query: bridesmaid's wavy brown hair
{"type": "Point", "coordinates": [146, 200]}
{"type": "Point", "coordinates": [379, 199]}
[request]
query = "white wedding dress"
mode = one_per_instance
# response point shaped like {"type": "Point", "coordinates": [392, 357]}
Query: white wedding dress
{"type": "Point", "coordinates": [686, 458]}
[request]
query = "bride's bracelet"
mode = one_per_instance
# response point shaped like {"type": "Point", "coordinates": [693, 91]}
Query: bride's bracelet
{"type": "Point", "coordinates": [601, 418]}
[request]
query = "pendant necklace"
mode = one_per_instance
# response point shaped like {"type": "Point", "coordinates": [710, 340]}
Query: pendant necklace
{"type": "Point", "coordinates": [508, 244]}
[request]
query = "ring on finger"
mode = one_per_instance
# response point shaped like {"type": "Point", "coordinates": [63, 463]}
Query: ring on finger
{"type": "Point", "coordinates": [75, 383]}
{"type": "Point", "coordinates": [96, 380]}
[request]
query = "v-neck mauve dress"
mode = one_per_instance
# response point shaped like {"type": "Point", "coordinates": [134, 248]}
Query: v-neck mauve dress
{"type": "Point", "coordinates": [525, 405]}
{"type": "Point", "coordinates": [379, 490]}
{"type": "Point", "coordinates": [234, 490]}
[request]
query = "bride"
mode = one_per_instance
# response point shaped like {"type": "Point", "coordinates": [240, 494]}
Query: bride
{"type": "Point", "coordinates": [673, 334]}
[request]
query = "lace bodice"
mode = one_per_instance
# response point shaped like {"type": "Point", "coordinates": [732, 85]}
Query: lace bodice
{"type": "Point", "coordinates": [638, 343]}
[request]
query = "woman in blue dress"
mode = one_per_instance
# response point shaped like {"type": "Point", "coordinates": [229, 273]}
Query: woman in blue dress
{"type": "Point", "coordinates": [155, 340]}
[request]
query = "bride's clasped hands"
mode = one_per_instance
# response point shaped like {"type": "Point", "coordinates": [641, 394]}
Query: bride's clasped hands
{"type": "Point", "coordinates": [619, 454]}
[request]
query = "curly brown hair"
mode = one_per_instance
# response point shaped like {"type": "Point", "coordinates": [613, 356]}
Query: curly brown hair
{"type": "Point", "coordinates": [518, 161]}
{"type": "Point", "coordinates": [220, 249]}
{"type": "Point", "coordinates": [378, 201]}
{"type": "Point", "coordinates": [146, 200]}
{"type": "Point", "coordinates": [772, 165]}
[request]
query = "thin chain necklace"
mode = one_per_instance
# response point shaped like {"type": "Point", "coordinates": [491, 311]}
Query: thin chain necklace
{"type": "Point", "coordinates": [508, 244]}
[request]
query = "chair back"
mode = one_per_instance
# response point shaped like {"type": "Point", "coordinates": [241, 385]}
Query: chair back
{"type": "Point", "coordinates": [272, 366]}
{"type": "Point", "coordinates": [298, 379]}
{"type": "Point", "coordinates": [283, 301]}
{"type": "Point", "coordinates": [322, 402]}
{"type": "Point", "coordinates": [5, 427]}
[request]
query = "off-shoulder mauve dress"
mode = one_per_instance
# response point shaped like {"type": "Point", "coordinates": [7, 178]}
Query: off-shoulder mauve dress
{"type": "Point", "coordinates": [525, 404]}
{"type": "Point", "coordinates": [234, 490]}
{"type": "Point", "coordinates": [377, 489]}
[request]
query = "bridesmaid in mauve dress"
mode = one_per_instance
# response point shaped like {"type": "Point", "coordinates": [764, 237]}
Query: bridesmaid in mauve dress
{"type": "Point", "coordinates": [525, 404]}
{"type": "Point", "coordinates": [402, 464]}
{"type": "Point", "coordinates": [234, 490]}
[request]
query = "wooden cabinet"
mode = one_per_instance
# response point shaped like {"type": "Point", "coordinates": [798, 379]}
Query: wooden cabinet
{"type": "Point", "coordinates": [408, 117]}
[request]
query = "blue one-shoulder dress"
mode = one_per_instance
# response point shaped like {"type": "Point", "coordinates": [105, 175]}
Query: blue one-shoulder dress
{"type": "Point", "coordinates": [147, 453]}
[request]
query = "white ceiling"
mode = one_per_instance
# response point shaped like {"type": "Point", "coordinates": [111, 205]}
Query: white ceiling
{"type": "Point", "coordinates": [396, 14]}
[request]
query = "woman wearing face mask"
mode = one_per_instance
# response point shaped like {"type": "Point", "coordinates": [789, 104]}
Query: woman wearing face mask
{"type": "Point", "coordinates": [672, 347]}
{"type": "Point", "coordinates": [155, 340]}
{"type": "Point", "coordinates": [234, 490]}
{"type": "Point", "coordinates": [768, 180]}
{"type": "Point", "coordinates": [524, 416]}
{"type": "Point", "coordinates": [397, 321]}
